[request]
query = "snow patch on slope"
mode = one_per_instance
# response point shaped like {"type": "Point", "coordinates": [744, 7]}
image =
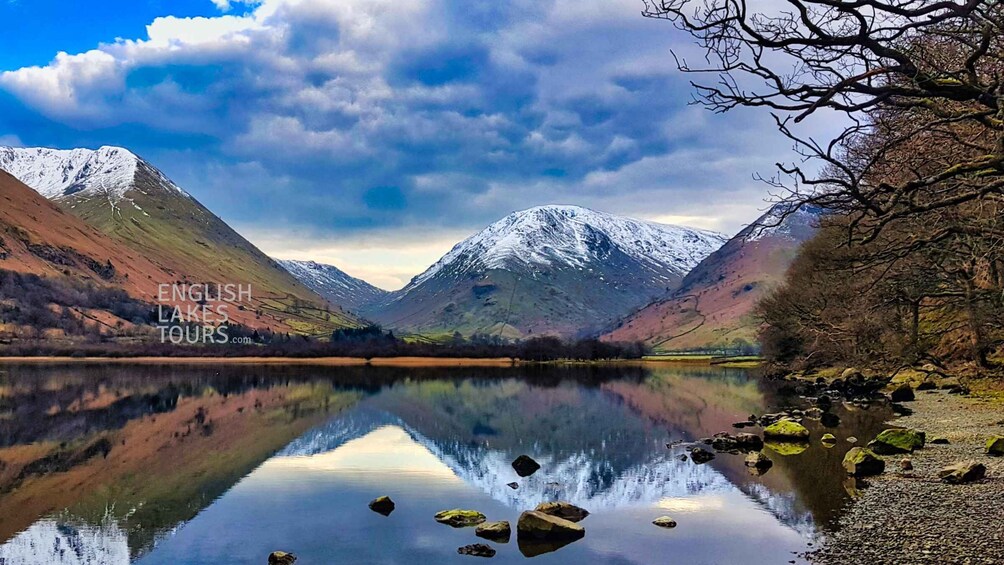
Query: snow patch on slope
{"type": "Point", "coordinates": [573, 236]}
{"type": "Point", "coordinates": [108, 172]}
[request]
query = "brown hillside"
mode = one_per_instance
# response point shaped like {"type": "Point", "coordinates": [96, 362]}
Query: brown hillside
{"type": "Point", "coordinates": [713, 306]}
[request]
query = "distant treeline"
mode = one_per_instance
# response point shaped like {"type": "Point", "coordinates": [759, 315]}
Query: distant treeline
{"type": "Point", "coordinates": [386, 345]}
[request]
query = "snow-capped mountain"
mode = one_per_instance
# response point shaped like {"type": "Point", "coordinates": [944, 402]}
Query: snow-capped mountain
{"type": "Point", "coordinates": [714, 304]}
{"type": "Point", "coordinates": [562, 270]}
{"type": "Point", "coordinates": [56, 173]}
{"type": "Point", "coordinates": [334, 284]}
{"type": "Point", "coordinates": [134, 203]}
{"type": "Point", "coordinates": [571, 236]}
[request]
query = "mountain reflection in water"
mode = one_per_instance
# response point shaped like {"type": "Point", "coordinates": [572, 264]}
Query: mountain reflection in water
{"type": "Point", "coordinates": [213, 464]}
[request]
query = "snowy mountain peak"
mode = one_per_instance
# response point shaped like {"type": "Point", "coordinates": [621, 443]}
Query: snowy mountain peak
{"type": "Point", "coordinates": [108, 172]}
{"type": "Point", "coordinates": [333, 283]}
{"type": "Point", "coordinates": [572, 236]}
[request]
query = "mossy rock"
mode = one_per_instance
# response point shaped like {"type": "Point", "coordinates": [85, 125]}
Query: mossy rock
{"type": "Point", "coordinates": [786, 430]}
{"type": "Point", "coordinates": [460, 518]}
{"type": "Point", "coordinates": [995, 446]}
{"type": "Point", "coordinates": [828, 440]}
{"type": "Point", "coordinates": [901, 440]}
{"type": "Point", "coordinates": [786, 448]}
{"type": "Point", "coordinates": [862, 462]}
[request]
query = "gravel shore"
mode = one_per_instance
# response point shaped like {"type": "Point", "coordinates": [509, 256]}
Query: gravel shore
{"type": "Point", "coordinates": [906, 517]}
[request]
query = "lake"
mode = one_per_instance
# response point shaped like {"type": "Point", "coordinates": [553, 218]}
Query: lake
{"type": "Point", "coordinates": [212, 464]}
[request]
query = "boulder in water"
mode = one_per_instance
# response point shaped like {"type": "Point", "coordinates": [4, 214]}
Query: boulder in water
{"type": "Point", "coordinates": [281, 558]}
{"type": "Point", "coordinates": [496, 531]}
{"type": "Point", "coordinates": [382, 505]}
{"type": "Point", "coordinates": [786, 430]}
{"type": "Point", "coordinates": [700, 455]}
{"type": "Point", "coordinates": [749, 442]}
{"type": "Point", "coordinates": [537, 525]}
{"type": "Point", "coordinates": [664, 522]}
{"type": "Point", "coordinates": [759, 461]}
{"type": "Point", "coordinates": [460, 518]}
{"type": "Point", "coordinates": [477, 550]}
{"type": "Point", "coordinates": [561, 509]}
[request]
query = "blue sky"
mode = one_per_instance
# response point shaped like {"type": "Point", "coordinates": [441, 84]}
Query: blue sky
{"type": "Point", "coordinates": [374, 134]}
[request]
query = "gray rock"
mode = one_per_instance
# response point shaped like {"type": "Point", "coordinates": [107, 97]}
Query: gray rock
{"type": "Point", "coordinates": [962, 472]}
{"type": "Point", "coordinates": [495, 531]}
{"type": "Point", "coordinates": [540, 526]}
{"type": "Point", "coordinates": [562, 509]}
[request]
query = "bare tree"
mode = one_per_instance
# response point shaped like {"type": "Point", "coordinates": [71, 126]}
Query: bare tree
{"type": "Point", "coordinates": [908, 70]}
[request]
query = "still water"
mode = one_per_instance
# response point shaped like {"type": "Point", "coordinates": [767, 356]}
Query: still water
{"type": "Point", "coordinates": [114, 464]}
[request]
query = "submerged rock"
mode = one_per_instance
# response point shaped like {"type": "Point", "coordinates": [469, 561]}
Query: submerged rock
{"type": "Point", "coordinates": [759, 461]}
{"type": "Point", "coordinates": [749, 442]}
{"type": "Point", "coordinates": [901, 440]}
{"type": "Point", "coordinates": [512, 485]}
{"type": "Point", "coordinates": [724, 443]}
{"type": "Point", "coordinates": [962, 472]}
{"type": "Point", "coordinates": [701, 456]}
{"type": "Point", "coordinates": [786, 430]}
{"type": "Point", "coordinates": [525, 466]}
{"type": "Point", "coordinates": [477, 550]}
{"type": "Point", "coordinates": [281, 558]}
{"type": "Point", "coordinates": [906, 464]}
{"type": "Point", "coordinates": [862, 462]}
{"type": "Point", "coordinates": [829, 420]}
{"type": "Point", "coordinates": [664, 522]}
{"type": "Point", "coordinates": [460, 518]}
{"type": "Point", "coordinates": [537, 525]}
{"type": "Point", "coordinates": [995, 446]}
{"type": "Point", "coordinates": [561, 509]}
{"type": "Point", "coordinates": [496, 531]}
{"type": "Point", "coordinates": [940, 441]}
{"type": "Point", "coordinates": [382, 505]}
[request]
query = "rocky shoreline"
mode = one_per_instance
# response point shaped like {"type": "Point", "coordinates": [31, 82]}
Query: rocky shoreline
{"type": "Point", "coordinates": [910, 516]}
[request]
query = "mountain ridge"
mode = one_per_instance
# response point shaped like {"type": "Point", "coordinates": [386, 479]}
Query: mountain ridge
{"type": "Point", "coordinates": [334, 284]}
{"type": "Point", "coordinates": [713, 306]}
{"type": "Point", "coordinates": [133, 202]}
{"type": "Point", "coordinates": [552, 270]}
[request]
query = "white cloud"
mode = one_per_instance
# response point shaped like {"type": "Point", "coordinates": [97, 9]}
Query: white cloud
{"type": "Point", "coordinates": [468, 110]}
{"type": "Point", "coordinates": [10, 140]}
